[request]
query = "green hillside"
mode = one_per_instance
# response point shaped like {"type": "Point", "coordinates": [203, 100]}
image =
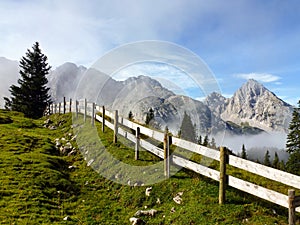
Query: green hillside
{"type": "Point", "coordinates": [40, 185]}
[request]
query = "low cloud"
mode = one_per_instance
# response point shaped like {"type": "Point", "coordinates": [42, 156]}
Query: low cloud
{"type": "Point", "coordinates": [256, 145]}
{"type": "Point", "coordinates": [262, 77]}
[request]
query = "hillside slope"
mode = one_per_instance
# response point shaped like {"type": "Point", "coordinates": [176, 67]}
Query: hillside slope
{"type": "Point", "coordinates": [43, 185]}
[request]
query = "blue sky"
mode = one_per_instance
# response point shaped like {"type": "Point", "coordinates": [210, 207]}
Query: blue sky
{"type": "Point", "coordinates": [237, 39]}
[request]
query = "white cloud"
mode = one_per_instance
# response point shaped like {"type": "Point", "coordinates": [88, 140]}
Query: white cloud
{"type": "Point", "coordinates": [262, 77]}
{"type": "Point", "coordinates": [81, 31]}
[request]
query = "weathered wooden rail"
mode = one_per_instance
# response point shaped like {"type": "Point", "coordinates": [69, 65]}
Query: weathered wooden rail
{"type": "Point", "coordinates": [290, 201]}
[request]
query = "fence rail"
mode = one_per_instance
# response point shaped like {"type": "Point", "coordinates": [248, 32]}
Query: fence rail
{"type": "Point", "coordinates": [289, 201]}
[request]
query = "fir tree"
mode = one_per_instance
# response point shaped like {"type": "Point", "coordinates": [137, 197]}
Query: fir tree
{"type": "Point", "coordinates": [205, 141]}
{"type": "Point", "coordinates": [130, 115]}
{"type": "Point", "coordinates": [282, 165]}
{"type": "Point", "coordinates": [293, 164]}
{"type": "Point", "coordinates": [31, 96]}
{"type": "Point", "coordinates": [293, 143]}
{"type": "Point", "coordinates": [244, 153]}
{"type": "Point", "coordinates": [149, 116]}
{"type": "Point", "coordinates": [200, 140]}
{"type": "Point", "coordinates": [276, 163]}
{"type": "Point", "coordinates": [187, 129]}
{"type": "Point", "coordinates": [293, 138]}
{"type": "Point", "coordinates": [267, 161]}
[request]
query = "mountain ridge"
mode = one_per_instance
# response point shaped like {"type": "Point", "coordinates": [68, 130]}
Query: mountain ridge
{"type": "Point", "coordinates": [251, 104]}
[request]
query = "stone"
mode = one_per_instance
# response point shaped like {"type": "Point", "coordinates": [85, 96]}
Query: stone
{"type": "Point", "coordinates": [73, 152]}
{"type": "Point", "coordinates": [68, 146]}
{"type": "Point", "coordinates": [57, 144]}
{"type": "Point", "coordinates": [136, 221]}
{"type": "Point", "coordinates": [52, 127]}
{"type": "Point", "coordinates": [67, 218]}
{"type": "Point", "coordinates": [148, 191]}
{"type": "Point", "coordinates": [72, 167]}
{"type": "Point", "coordinates": [177, 199]}
{"type": "Point", "coordinates": [158, 201]}
{"type": "Point", "coordinates": [150, 212]}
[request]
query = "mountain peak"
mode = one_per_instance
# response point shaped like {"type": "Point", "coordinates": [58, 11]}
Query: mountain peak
{"type": "Point", "coordinates": [255, 104]}
{"type": "Point", "coordinates": [251, 88]}
{"type": "Point", "coordinates": [253, 83]}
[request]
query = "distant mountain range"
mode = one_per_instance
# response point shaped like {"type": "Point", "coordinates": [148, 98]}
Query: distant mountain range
{"type": "Point", "coordinates": [251, 110]}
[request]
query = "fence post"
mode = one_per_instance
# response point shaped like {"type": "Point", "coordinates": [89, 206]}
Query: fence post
{"type": "Point", "coordinates": [59, 106]}
{"type": "Point", "coordinates": [85, 110]}
{"type": "Point", "coordinates": [93, 114]}
{"type": "Point", "coordinates": [116, 126]}
{"type": "Point", "coordinates": [76, 108]}
{"type": "Point", "coordinates": [292, 211]}
{"type": "Point", "coordinates": [70, 107]}
{"type": "Point", "coordinates": [137, 144]}
{"type": "Point", "coordinates": [55, 108]}
{"type": "Point", "coordinates": [52, 108]}
{"type": "Point", "coordinates": [223, 177]}
{"type": "Point", "coordinates": [103, 118]}
{"type": "Point", "coordinates": [166, 154]}
{"type": "Point", "coordinates": [64, 105]}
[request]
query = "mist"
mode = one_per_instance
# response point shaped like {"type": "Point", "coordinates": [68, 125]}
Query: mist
{"type": "Point", "coordinates": [9, 74]}
{"type": "Point", "coordinates": [256, 145]}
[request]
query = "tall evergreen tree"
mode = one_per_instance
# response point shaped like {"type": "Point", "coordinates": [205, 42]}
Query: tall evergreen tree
{"type": "Point", "coordinates": [293, 138]}
{"type": "Point", "coordinates": [187, 129]}
{"type": "Point", "coordinates": [267, 161]}
{"type": "Point", "coordinates": [293, 163]}
{"type": "Point", "coordinates": [282, 165]}
{"type": "Point", "coordinates": [205, 141]}
{"type": "Point", "coordinates": [31, 96]}
{"type": "Point", "coordinates": [200, 140]}
{"type": "Point", "coordinates": [276, 163]}
{"type": "Point", "coordinates": [293, 143]}
{"type": "Point", "coordinates": [130, 115]}
{"type": "Point", "coordinates": [149, 116]}
{"type": "Point", "coordinates": [244, 153]}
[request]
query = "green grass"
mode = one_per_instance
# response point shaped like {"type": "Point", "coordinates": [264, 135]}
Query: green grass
{"type": "Point", "coordinates": [37, 187]}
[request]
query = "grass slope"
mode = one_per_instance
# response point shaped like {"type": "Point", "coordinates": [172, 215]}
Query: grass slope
{"type": "Point", "coordinates": [37, 186]}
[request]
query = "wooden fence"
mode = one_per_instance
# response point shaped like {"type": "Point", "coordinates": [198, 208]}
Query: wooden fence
{"type": "Point", "coordinates": [290, 201]}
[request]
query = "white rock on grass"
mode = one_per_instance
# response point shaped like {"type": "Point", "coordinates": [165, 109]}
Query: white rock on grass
{"type": "Point", "coordinates": [66, 218]}
{"type": "Point", "coordinates": [177, 199]}
{"type": "Point", "coordinates": [136, 221]}
{"type": "Point", "coordinates": [158, 201]}
{"type": "Point", "coordinates": [148, 191]}
{"type": "Point", "coordinates": [150, 212]}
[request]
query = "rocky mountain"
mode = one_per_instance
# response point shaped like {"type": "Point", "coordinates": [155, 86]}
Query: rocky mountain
{"type": "Point", "coordinates": [216, 103]}
{"type": "Point", "coordinates": [252, 109]}
{"type": "Point", "coordinates": [64, 79]}
{"type": "Point", "coordinates": [255, 105]}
